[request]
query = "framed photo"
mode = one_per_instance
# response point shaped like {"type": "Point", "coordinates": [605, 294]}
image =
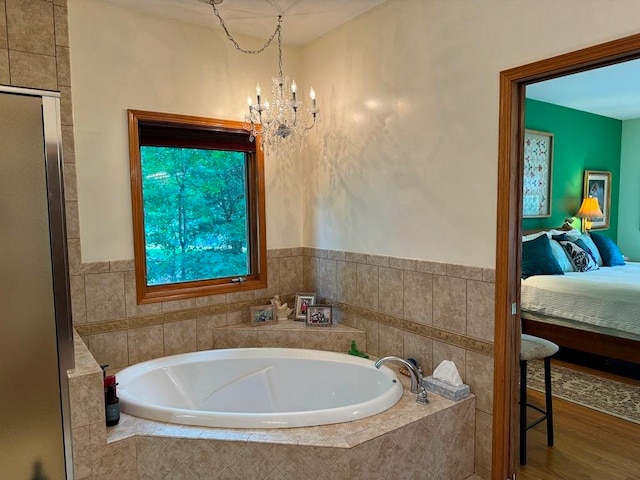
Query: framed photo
{"type": "Point", "coordinates": [597, 184]}
{"type": "Point", "coordinates": [303, 301]}
{"type": "Point", "coordinates": [319, 315]}
{"type": "Point", "coordinates": [538, 167]}
{"type": "Point", "coordinates": [263, 315]}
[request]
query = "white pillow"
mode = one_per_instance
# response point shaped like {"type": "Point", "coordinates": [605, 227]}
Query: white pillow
{"type": "Point", "coordinates": [531, 236]}
{"type": "Point", "coordinates": [561, 257]}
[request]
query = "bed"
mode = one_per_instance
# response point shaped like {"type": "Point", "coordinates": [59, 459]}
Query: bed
{"type": "Point", "coordinates": [595, 311]}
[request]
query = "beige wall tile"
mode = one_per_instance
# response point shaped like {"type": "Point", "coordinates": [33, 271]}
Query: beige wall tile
{"type": "Point", "coordinates": [66, 109]}
{"type": "Point", "coordinates": [110, 348]}
{"type": "Point", "coordinates": [444, 351]}
{"type": "Point", "coordinates": [418, 297]}
{"type": "Point", "coordinates": [180, 337]}
{"type": "Point", "coordinates": [73, 220]}
{"type": "Point", "coordinates": [3, 25]}
{"type": "Point", "coordinates": [479, 377]}
{"type": "Point", "coordinates": [290, 275]}
{"type": "Point", "coordinates": [480, 310]}
{"type": "Point", "coordinates": [450, 303]}
{"type": "Point", "coordinates": [30, 26]}
{"type": "Point", "coordinates": [326, 278]}
{"type": "Point", "coordinates": [436, 268]}
{"type": "Point", "coordinates": [132, 308]}
{"type": "Point", "coordinates": [464, 271]}
{"type": "Point", "coordinates": [421, 349]}
{"type": "Point", "coordinates": [104, 296]}
{"type": "Point", "coordinates": [205, 330]}
{"type": "Point", "coordinates": [145, 343]}
{"type": "Point", "coordinates": [68, 146]}
{"type": "Point", "coordinates": [237, 317]}
{"type": "Point", "coordinates": [484, 429]}
{"type": "Point", "coordinates": [367, 286]}
{"type": "Point", "coordinates": [5, 78]}
{"type": "Point", "coordinates": [121, 266]}
{"type": "Point", "coordinates": [176, 305]}
{"type": "Point", "coordinates": [371, 328]}
{"type": "Point", "coordinates": [86, 399]}
{"type": "Point", "coordinates": [403, 263]}
{"type": "Point", "coordinates": [32, 70]}
{"type": "Point", "coordinates": [390, 341]}
{"type": "Point", "coordinates": [391, 291]}
{"type": "Point", "coordinates": [82, 452]}
{"type": "Point", "coordinates": [78, 305]}
{"type": "Point", "coordinates": [346, 290]}
{"type": "Point", "coordinates": [70, 182]}
{"type": "Point", "coordinates": [61, 24]}
{"type": "Point", "coordinates": [211, 300]}
{"type": "Point", "coordinates": [63, 66]}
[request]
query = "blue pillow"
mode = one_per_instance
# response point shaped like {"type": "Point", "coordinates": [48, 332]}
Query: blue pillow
{"type": "Point", "coordinates": [609, 251]}
{"type": "Point", "coordinates": [538, 259]}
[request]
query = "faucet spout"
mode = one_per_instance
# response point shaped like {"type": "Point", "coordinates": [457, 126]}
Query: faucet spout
{"type": "Point", "coordinates": [416, 376]}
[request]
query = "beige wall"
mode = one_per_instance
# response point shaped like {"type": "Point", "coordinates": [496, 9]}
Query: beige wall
{"type": "Point", "coordinates": [124, 58]}
{"type": "Point", "coordinates": [406, 163]}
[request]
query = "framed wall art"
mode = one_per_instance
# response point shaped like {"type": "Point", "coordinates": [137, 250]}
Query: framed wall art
{"type": "Point", "coordinates": [537, 176]}
{"type": "Point", "coordinates": [597, 184]}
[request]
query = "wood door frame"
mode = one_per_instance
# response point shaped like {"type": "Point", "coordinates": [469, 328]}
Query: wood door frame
{"type": "Point", "coordinates": [508, 233]}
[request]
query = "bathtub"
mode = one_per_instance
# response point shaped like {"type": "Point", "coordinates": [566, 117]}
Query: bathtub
{"type": "Point", "coordinates": [257, 388]}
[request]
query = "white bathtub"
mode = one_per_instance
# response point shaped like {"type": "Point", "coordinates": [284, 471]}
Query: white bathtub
{"type": "Point", "coordinates": [257, 388]}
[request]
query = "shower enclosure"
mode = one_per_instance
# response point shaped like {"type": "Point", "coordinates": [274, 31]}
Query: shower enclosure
{"type": "Point", "coordinates": [36, 342]}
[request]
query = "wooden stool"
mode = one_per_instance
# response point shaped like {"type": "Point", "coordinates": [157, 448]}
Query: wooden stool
{"type": "Point", "coordinates": [535, 348]}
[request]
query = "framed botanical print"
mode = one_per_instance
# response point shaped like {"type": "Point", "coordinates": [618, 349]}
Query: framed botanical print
{"type": "Point", "coordinates": [537, 176]}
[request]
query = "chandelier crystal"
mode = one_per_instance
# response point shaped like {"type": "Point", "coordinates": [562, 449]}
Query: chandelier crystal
{"type": "Point", "coordinates": [279, 126]}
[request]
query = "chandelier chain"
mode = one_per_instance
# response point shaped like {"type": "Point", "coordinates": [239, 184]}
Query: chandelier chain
{"type": "Point", "coordinates": [238, 47]}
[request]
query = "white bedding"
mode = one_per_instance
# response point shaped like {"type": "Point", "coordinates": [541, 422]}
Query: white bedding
{"type": "Point", "coordinates": [608, 297]}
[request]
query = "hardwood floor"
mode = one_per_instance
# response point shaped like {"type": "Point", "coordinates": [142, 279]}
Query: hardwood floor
{"type": "Point", "coordinates": [588, 445]}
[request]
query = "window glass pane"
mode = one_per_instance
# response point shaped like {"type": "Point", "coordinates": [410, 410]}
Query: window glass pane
{"type": "Point", "coordinates": [195, 214]}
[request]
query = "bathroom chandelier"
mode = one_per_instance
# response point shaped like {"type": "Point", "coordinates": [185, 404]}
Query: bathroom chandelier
{"type": "Point", "coordinates": [280, 126]}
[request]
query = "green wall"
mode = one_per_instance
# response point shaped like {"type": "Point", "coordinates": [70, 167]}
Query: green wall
{"type": "Point", "coordinates": [582, 141]}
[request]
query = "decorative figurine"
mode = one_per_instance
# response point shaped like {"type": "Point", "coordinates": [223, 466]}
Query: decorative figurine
{"type": "Point", "coordinates": [282, 309]}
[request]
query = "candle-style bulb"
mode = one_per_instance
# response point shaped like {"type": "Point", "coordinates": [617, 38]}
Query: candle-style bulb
{"type": "Point", "coordinates": [294, 87]}
{"type": "Point", "coordinates": [249, 100]}
{"type": "Point", "coordinates": [258, 89]}
{"type": "Point", "coordinates": [266, 105]}
{"type": "Point", "coordinates": [312, 94]}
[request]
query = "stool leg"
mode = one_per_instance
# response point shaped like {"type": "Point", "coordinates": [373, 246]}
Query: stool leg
{"type": "Point", "coordinates": [523, 412]}
{"type": "Point", "coordinates": [549, 406]}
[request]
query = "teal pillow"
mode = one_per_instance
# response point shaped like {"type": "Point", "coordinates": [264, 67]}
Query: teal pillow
{"type": "Point", "coordinates": [609, 251]}
{"type": "Point", "coordinates": [538, 259]}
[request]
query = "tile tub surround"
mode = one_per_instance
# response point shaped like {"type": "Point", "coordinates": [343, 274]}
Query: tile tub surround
{"type": "Point", "coordinates": [408, 441]}
{"type": "Point", "coordinates": [413, 315]}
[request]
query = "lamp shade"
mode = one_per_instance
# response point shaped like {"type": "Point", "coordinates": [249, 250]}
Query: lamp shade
{"type": "Point", "coordinates": [590, 209]}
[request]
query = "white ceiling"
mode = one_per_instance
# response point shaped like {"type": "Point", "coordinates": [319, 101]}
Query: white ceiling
{"type": "Point", "coordinates": [612, 91]}
{"type": "Point", "coordinates": [302, 20]}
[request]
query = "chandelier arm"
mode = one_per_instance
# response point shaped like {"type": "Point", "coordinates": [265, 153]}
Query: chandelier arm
{"type": "Point", "coordinates": [235, 43]}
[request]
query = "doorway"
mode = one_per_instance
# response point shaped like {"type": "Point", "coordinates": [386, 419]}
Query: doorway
{"type": "Point", "coordinates": [508, 245]}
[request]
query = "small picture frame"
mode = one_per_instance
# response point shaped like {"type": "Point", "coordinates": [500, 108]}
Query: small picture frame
{"type": "Point", "coordinates": [303, 302]}
{"type": "Point", "coordinates": [319, 316]}
{"type": "Point", "coordinates": [263, 315]}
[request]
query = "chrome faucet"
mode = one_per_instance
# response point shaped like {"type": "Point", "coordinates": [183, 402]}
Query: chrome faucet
{"type": "Point", "coordinates": [416, 376]}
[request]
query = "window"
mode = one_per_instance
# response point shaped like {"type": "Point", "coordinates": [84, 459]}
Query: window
{"type": "Point", "coordinates": [197, 188]}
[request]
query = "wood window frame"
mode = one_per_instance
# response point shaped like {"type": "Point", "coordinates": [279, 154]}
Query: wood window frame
{"type": "Point", "coordinates": [509, 231]}
{"type": "Point", "coordinates": [257, 278]}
